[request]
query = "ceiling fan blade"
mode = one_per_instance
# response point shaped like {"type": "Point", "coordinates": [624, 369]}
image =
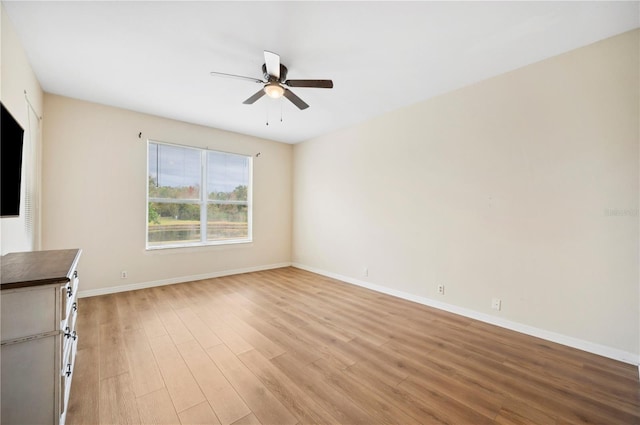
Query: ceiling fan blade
{"type": "Point", "coordinates": [272, 62]}
{"type": "Point", "coordinates": [240, 77]}
{"type": "Point", "coordinates": [295, 99]}
{"type": "Point", "coordinates": [321, 84]}
{"type": "Point", "coordinates": [255, 97]}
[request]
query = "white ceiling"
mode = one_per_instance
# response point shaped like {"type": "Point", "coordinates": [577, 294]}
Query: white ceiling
{"type": "Point", "coordinates": [155, 57]}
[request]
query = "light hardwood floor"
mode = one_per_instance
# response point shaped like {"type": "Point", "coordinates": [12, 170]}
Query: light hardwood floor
{"type": "Point", "coordinates": [290, 347]}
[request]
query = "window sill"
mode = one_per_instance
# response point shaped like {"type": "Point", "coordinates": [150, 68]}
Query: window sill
{"type": "Point", "coordinates": [198, 246]}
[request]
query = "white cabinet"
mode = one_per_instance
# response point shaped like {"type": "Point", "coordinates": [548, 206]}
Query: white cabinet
{"type": "Point", "coordinates": [38, 335]}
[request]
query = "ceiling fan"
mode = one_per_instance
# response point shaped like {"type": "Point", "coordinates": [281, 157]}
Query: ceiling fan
{"type": "Point", "coordinates": [275, 83]}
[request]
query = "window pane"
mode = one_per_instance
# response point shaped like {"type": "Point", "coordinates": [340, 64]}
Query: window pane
{"type": "Point", "coordinates": [227, 222]}
{"type": "Point", "coordinates": [227, 176]}
{"type": "Point", "coordinates": [174, 172]}
{"type": "Point", "coordinates": [171, 223]}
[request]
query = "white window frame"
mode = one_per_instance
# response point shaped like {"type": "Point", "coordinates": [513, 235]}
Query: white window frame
{"type": "Point", "coordinates": [203, 201]}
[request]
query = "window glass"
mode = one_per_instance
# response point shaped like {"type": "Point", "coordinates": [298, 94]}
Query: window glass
{"type": "Point", "coordinates": [227, 221]}
{"type": "Point", "coordinates": [173, 223]}
{"type": "Point", "coordinates": [227, 176]}
{"type": "Point", "coordinates": [174, 172]}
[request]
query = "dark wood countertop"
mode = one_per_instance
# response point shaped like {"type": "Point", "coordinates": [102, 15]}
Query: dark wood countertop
{"type": "Point", "coordinates": [23, 269]}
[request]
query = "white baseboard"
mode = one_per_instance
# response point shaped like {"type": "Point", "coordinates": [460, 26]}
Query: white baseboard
{"type": "Point", "coordinates": [591, 347]}
{"type": "Point", "coordinates": [171, 281]}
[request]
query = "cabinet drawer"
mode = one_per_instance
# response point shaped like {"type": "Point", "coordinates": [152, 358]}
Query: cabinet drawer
{"type": "Point", "coordinates": [27, 372]}
{"type": "Point", "coordinates": [29, 312]}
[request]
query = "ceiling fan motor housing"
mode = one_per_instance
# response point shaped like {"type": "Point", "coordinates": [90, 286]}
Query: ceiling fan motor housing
{"type": "Point", "coordinates": [283, 74]}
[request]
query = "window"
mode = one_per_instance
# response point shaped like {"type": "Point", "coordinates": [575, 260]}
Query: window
{"type": "Point", "coordinates": [197, 197]}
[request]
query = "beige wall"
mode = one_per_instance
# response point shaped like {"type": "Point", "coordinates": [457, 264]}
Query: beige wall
{"type": "Point", "coordinates": [94, 182]}
{"type": "Point", "coordinates": [16, 77]}
{"type": "Point", "coordinates": [507, 188]}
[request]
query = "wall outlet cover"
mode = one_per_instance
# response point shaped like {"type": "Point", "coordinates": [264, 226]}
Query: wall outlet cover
{"type": "Point", "coordinates": [496, 303]}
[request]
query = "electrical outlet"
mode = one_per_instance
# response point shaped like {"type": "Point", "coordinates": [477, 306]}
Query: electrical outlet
{"type": "Point", "coordinates": [365, 272]}
{"type": "Point", "coordinates": [496, 303]}
{"type": "Point", "coordinates": [123, 274]}
{"type": "Point", "coordinates": [441, 289]}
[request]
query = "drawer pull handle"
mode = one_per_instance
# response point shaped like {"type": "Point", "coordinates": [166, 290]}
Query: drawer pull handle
{"type": "Point", "coordinates": [69, 291]}
{"type": "Point", "coordinates": [67, 332]}
{"type": "Point", "coordinates": [68, 372]}
{"type": "Point", "coordinates": [75, 306]}
{"type": "Point", "coordinates": [74, 335]}
{"type": "Point", "coordinates": [75, 273]}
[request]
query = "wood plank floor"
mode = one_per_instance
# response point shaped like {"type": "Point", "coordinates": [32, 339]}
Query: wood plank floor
{"type": "Point", "coordinates": [287, 346]}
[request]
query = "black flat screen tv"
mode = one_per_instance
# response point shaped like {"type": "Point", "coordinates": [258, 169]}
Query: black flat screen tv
{"type": "Point", "coordinates": [11, 140]}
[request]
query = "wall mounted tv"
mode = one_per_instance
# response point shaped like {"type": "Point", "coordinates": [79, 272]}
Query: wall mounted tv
{"type": "Point", "coordinates": [10, 164]}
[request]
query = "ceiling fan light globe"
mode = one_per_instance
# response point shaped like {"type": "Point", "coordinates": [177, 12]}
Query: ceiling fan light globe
{"type": "Point", "coordinates": [274, 91]}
